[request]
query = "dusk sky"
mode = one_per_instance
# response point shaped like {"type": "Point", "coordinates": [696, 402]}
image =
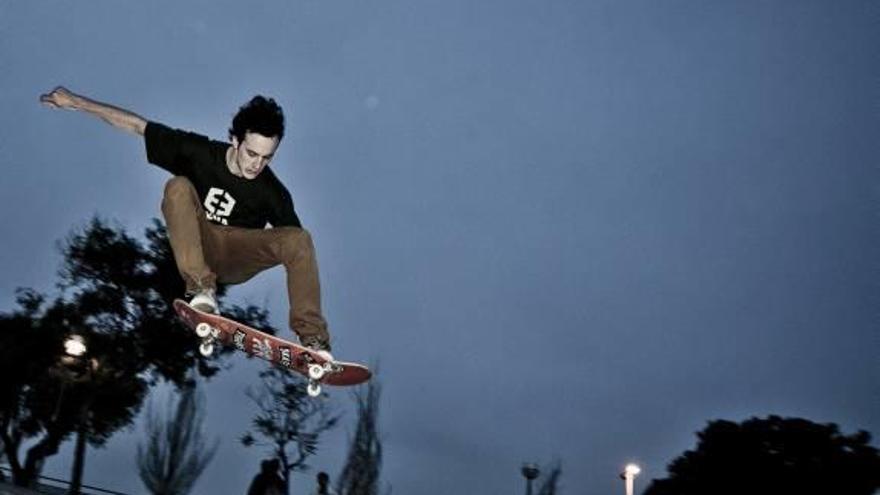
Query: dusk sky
{"type": "Point", "coordinates": [569, 230]}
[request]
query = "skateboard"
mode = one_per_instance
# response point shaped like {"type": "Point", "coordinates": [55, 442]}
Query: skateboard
{"type": "Point", "coordinates": [214, 329]}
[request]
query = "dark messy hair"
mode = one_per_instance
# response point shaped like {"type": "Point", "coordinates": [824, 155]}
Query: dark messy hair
{"type": "Point", "coordinates": [260, 115]}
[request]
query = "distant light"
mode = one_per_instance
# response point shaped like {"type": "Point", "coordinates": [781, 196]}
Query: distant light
{"type": "Point", "coordinates": [75, 346]}
{"type": "Point", "coordinates": [372, 102]}
{"type": "Point", "coordinates": [632, 470]}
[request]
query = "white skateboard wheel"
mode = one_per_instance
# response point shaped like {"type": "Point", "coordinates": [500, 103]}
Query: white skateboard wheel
{"type": "Point", "coordinates": [316, 371]}
{"type": "Point", "coordinates": [203, 330]}
{"type": "Point", "coordinates": [206, 349]}
{"type": "Point", "coordinates": [314, 389]}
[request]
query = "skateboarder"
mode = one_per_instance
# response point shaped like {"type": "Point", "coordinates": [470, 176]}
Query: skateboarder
{"type": "Point", "coordinates": [228, 216]}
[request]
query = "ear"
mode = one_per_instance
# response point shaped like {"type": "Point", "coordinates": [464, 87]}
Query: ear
{"type": "Point", "coordinates": [235, 142]}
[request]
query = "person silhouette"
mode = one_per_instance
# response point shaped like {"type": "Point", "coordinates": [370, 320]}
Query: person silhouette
{"type": "Point", "coordinates": [268, 481]}
{"type": "Point", "coordinates": [323, 487]}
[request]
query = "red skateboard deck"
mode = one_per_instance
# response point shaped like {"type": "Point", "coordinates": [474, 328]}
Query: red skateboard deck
{"type": "Point", "coordinates": [217, 329]}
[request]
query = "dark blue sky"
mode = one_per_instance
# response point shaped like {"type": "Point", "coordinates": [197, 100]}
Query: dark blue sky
{"type": "Point", "coordinates": [674, 205]}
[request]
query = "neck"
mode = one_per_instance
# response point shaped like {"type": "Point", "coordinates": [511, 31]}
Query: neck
{"type": "Point", "coordinates": [231, 163]}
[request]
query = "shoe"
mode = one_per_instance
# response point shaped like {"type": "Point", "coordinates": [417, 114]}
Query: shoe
{"type": "Point", "coordinates": [319, 346]}
{"type": "Point", "coordinates": [205, 301]}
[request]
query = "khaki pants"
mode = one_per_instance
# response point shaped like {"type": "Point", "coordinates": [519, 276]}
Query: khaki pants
{"type": "Point", "coordinates": [207, 253]}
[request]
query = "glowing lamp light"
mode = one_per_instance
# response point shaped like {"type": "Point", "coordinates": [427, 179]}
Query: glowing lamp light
{"type": "Point", "coordinates": [632, 470]}
{"type": "Point", "coordinates": [75, 346]}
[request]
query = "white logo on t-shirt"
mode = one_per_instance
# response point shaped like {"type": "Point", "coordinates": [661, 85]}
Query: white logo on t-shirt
{"type": "Point", "coordinates": [218, 205]}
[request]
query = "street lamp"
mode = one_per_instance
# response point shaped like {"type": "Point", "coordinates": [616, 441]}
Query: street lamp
{"type": "Point", "coordinates": [629, 475]}
{"type": "Point", "coordinates": [530, 471]}
{"type": "Point", "coordinates": [74, 350]}
{"type": "Point", "coordinates": [81, 369]}
{"type": "Point", "coordinates": [75, 346]}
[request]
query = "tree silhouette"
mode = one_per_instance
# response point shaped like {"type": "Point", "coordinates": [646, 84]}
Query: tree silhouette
{"type": "Point", "coordinates": [773, 455]}
{"type": "Point", "coordinates": [116, 293]}
{"type": "Point", "coordinates": [363, 466]}
{"type": "Point", "coordinates": [289, 422]}
{"type": "Point", "coordinates": [45, 400]}
{"type": "Point", "coordinates": [175, 453]}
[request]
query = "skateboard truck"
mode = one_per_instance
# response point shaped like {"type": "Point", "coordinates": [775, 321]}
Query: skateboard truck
{"type": "Point", "coordinates": [317, 372]}
{"type": "Point", "coordinates": [207, 334]}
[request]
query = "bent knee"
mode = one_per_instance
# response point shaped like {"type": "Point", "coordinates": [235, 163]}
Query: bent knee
{"type": "Point", "coordinates": [294, 236]}
{"type": "Point", "coordinates": [179, 186]}
{"type": "Point", "coordinates": [293, 240]}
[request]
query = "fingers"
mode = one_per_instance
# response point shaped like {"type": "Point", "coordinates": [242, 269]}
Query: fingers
{"type": "Point", "coordinates": [55, 98]}
{"type": "Point", "coordinates": [48, 101]}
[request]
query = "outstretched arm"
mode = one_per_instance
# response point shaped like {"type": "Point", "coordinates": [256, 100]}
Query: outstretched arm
{"type": "Point", "coordinates": [61, 97]}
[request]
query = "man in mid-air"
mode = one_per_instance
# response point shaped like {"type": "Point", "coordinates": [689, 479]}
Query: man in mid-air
{"type": "Point", "coordinates": [228, 216]}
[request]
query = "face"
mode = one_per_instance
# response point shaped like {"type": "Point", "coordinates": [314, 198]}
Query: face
{"type": "Point", "coordinates": [253, 153]}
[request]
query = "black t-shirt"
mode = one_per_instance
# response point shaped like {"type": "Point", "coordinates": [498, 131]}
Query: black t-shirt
{"type": "Point", "coordinates": [226, 198]}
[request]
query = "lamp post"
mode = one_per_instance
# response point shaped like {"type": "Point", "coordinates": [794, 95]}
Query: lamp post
{"type": "Point", "coordinates": [629, 475]}
{"type": "Point", "coordinates": [75, 350]}
{"type": "Point", "coordinates": [530, 471]}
